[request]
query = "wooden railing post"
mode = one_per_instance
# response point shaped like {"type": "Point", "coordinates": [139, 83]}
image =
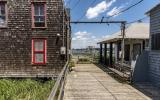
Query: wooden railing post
{"type": "Point", "coordinates": [59, 85]}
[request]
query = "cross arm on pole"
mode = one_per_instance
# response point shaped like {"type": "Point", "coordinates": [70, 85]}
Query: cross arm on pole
{"type": "Point", "coordinates": [95, 22]}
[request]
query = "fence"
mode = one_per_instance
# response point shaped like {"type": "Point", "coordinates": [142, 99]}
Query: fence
{"type": "Point", "coordinates": [58, 89]}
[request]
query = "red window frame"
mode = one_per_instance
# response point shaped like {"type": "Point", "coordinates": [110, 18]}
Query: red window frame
{"type": "Point", "coordinates": [34, 52]}
{"type": "Point", "coordinates": [33, 13]}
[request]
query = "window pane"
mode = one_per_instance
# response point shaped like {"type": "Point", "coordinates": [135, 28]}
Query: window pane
{"type": "Point", "coordinates": [36, 9]}
{"type": "Point", "coordinates": [39, 24]}
{"type": "Point", "coordinates": [39, 9]}
{"type": "Point", "coordinates": [2, 6]}
{"type": "Point", "coordinates": [158, 41]}
{"type": "Point", "coordinates": [38, 45]}
{"type": "Point", "coordinates": [39, 18]}
{"type": "Point", "coordinates": [39, 58]}
{"type": "Point", "coordinates": [42, 9]}
{"type": "Point", "coordinates": [2, 20]}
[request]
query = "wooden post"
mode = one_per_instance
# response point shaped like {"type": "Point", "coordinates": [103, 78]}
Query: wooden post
{"type": "Point", "coordinates": [144, 44]}
{"type": "Point", "coordinates": [123, 41]}
{"type": "Point", "coordinates": [110, 54]}
{"type": "Point", "coordinates": [118, 49]}
{"type": "Point", "coordinates": [100, 53]}
{"type": "Point", "coordinates": [105, 54]}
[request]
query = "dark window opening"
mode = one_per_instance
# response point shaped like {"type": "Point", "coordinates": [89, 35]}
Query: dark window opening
{"type": "Point", "coordinates": [3, 14]}
{"type": "Point", "coordinates": [155, 41]}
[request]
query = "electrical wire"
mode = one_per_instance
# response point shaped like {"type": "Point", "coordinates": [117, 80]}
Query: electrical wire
{"type": "Point", "coordinates": [139, 20]}
{"type": "Point", "coordinates": [75, 5]}
{"type": "Point", "coordinates": [124, 10]}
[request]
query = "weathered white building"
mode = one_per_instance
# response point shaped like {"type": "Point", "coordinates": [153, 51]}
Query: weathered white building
{"type": "Point", "coordinates": [136, 40]}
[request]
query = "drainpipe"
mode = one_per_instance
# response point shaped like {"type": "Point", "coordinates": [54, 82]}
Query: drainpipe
{"type": "Point", "coordinates": [63, 20]}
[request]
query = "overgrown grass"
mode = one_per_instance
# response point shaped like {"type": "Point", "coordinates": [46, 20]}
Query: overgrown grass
{"type": "Point", "coordinates": [71, 64]}
{"type": "Point", "coordinates": [25, 89]}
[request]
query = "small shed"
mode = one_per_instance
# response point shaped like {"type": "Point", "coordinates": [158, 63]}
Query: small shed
{"type": "Point", "coordinates": [135, 41]}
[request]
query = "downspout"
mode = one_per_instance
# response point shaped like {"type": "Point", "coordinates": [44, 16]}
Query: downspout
{"type": "Point", "coordinates": [63, 21]}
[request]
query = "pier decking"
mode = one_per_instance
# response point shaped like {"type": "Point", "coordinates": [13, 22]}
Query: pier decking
{"type": "Point", "coordinates": [88, 82]}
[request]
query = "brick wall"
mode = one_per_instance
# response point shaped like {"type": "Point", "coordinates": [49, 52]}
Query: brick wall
{"type": "Point", "coordinates": [15, 40]}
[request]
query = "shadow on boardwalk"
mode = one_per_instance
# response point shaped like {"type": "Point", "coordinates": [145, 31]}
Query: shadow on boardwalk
{"type": "Point", "coordinates": [89, 82]}
{"type": "Point", "coordinates": [146, 88]}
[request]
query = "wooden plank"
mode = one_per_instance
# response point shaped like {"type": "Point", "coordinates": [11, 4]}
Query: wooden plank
{"type": "Point", "coordinates": [89, 82]}
{"type": "Point", "coordinates": [119, 73]}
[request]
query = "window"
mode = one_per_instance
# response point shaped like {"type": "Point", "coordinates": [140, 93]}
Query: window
{"type": "Point", "coordinates": [3, 14]}
{"type": "Point", "coordinates": [38, 14]}
{"type": "Point", "coordinates": [39, 51]}
{"type": "Point", "coordinates": [155, 40]}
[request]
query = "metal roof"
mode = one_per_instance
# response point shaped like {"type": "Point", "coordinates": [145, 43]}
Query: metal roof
{"type": "Point", "coordinates": [134, 31]}
{"type": "Point", "coordinates": [148, 12]}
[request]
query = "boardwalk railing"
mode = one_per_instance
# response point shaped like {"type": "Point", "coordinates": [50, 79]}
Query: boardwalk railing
{"type": "Point", "coordinates": [58, 89]}
{"type": "Point", "coordinates": [124, 70]}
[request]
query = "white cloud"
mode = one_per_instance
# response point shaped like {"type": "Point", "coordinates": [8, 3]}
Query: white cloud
{"type": "Point", "coordinates": [115, 11]}
{"type": "Point", "coordinates": [93, 12]}
{"type": "Point", "coordinates": [93, 37]}
{"type": "Point", "coordinates": [83, 39]}
{"type": "Point", "coordinates": [81, 35]}
{"type": "Point", "coordinates": [84, 33]}
{"type": "Point", "coordinates": [103, 38]}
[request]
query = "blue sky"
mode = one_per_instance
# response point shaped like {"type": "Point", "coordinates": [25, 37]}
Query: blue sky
{"type": "Point", "coordinates": [84, 35]}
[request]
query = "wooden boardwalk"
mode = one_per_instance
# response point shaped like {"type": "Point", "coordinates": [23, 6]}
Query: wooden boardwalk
{"type": "Point", "coordinates": [88, 82]}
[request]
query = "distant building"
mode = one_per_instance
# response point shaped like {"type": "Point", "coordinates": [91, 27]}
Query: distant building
{"type": "Point", "coordinates": [32, 32]}
{"type": "Point", "coordinates": [136, 40]}
{"type": "Point", "coordinates": [154, 51]}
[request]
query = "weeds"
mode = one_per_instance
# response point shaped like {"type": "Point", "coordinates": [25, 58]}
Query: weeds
{"type": "Point", "coordinates": [25, 89]}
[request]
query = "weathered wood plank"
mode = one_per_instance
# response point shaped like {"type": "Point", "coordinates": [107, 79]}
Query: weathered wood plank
{"type": "Point", "coordinates": [88, 82]}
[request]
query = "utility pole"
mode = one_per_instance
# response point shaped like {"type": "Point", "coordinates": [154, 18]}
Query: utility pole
{"type": "Point", "coordinates": [123, 27]}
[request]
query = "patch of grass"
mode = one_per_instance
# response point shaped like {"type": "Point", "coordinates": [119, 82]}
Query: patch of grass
{"type": "Point", "coordinates": [84, 60]}
{"type": "Point", "coordinates": [25, 89]}
{"type": "Point", "coordinates": [71, 64]}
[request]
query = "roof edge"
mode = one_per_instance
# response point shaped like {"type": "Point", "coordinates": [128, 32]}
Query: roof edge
{"type": "Point", "coordinates": [148, 12]}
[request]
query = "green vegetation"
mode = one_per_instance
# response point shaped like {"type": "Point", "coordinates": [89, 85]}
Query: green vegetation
{"type": "Point", "coordinates": [25, 89]}
{"type": "Point", "coordinates": [71, 64]}
{"type": "Point", "coordinates": [84, 61]}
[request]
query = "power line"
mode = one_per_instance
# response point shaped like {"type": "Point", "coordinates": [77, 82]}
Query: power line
{"type": "Point", "coordinates": [86, 10]}
{"type": "Point", "coordinates": [75, 5]}
{"type": "Point", "coordinates": [96, 22]}
{"type": "Point", "coordinates": [124, 9]}
{"type": "Point", "coordinates": [139, 20]}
